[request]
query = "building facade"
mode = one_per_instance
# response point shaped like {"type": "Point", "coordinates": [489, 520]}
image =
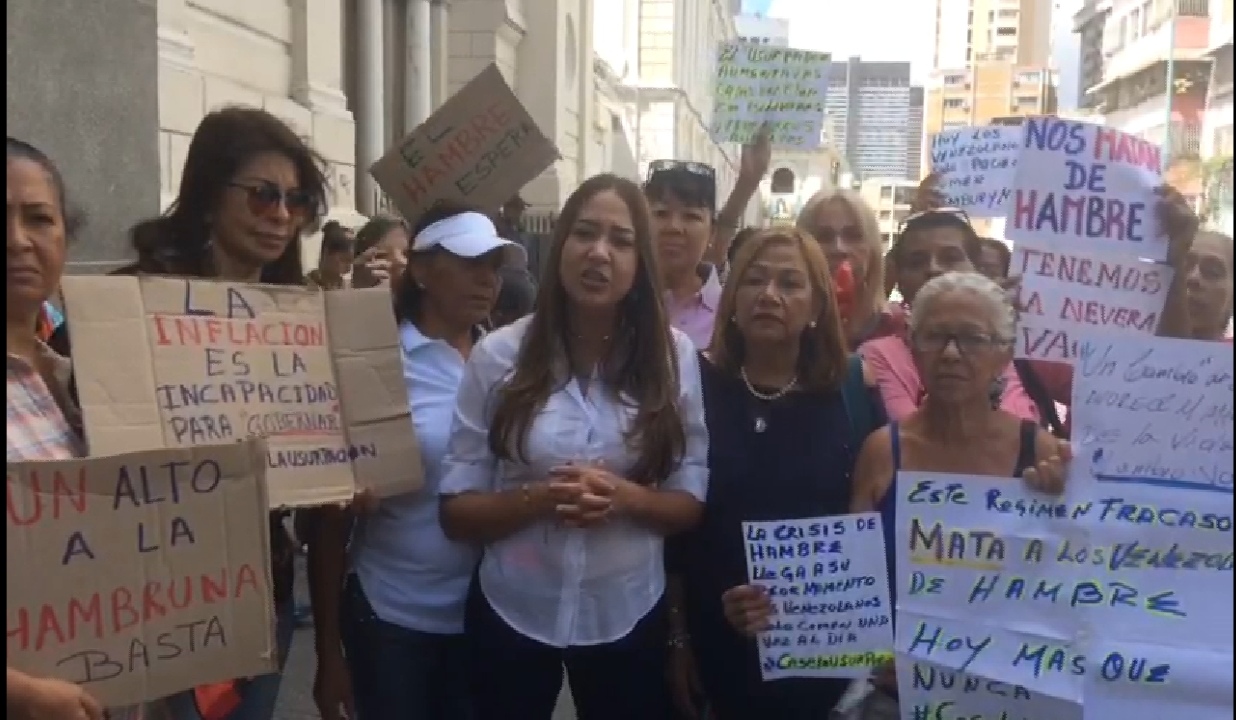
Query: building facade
{"type": "Point", "coordinates": [1012, 31]}
{"type": "Point", "coordinates": [984, 92]}
{"type": "Point", "coordinates": [992, 62]}
{"type": "Point", "coordinates": [1089, 25]}
{"type": "Point", "coordinates": [763, 30]}
{"type": "Point", "coordinates": [871, 116]}
{"type": "Point", "coordinates": [1217, 123]}
{"type": "Point", "coordinates": [1136, 94]}
{"type": "Point", "coordinates": [890, 199]}
{"type": "Point", "coordinates": [656, 63]}
{"type": "Point", "coordinates": [796, 175]}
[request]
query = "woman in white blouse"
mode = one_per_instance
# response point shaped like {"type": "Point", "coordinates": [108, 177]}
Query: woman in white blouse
{"type": "Point", "coordinates": [578, 444]}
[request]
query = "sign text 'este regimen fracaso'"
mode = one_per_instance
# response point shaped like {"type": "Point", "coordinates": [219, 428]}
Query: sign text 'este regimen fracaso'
{"type": "Point", "coordinates": [166, 362]}
{"type": "Point", "coordinates": [141, 575]}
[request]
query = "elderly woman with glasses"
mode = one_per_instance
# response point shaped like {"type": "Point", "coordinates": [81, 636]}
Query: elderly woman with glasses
{"type": "Point", "coordinates": [961, 334]}
{"type": "Point", "coordinates": [931, 243]}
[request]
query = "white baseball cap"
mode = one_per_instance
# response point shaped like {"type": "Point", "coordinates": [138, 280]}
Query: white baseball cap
{"type": "Point", "coordinates": [469, 235]}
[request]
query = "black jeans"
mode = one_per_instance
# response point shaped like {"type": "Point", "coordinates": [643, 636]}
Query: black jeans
{"type": "Point", "coordinates": [517, 678]}
{"type": "Point", "coordinates": [398, 673]}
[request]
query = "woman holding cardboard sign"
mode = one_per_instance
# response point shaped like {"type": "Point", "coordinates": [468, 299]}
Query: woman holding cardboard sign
{"type": "Point", "coordinates": [249, 188]}
{"type": "Point", "coordinates": [578, 445]}
{"type": "Point", "coordinates": [40, 410]}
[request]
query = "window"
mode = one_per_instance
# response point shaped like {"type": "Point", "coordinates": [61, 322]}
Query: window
{"type": "Point", "coordinates": [782, 181]}
{"type": "Point", "coordinates": [886, 192]}
{"type": "Point", "coordinates": [886, 215]}
{"type": "Point", "coordinates": [1006, 32]}
{"type": "Point", "coordinates": [1007, 14]}
{"type": "Point", "coordinates": [1030, 78]}
{"type": "Point", "coordinates": [1023, 100]}
{"type": "Point", "coordinates": [954, 79]}
{"type": "Point", "coordinates": [954, 103]}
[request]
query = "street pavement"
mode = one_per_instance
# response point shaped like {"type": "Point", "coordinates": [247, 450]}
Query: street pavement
{"type": "Point", "coordinates": [296, 690]}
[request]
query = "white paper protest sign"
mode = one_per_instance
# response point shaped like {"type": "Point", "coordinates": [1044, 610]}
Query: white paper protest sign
{"type": "Point", "coordinates": [1086, 188]}
{"type": "Point", "coordinates": [1067, 294]}
{"type": "Point", "coordinates": [828, 578]}
{"type": "Point", "coordinates": [1154, 411]}
{"type": "Point", "coordinates": [759, 85]}
{"type": "Point", "coordinates": [1045, 607]}
{"type": "Point", "coordinates": [976, 167]}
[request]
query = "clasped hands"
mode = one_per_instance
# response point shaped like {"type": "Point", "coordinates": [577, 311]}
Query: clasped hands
{"type": "Point", "coordinates": [585, 495]}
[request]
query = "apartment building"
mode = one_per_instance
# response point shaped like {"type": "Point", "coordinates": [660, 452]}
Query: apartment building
{"type": "Point", "coordinates": [992, 60]}
{"type": "Point", "coordinates": [1136, 93]}
{"type": "Point", "coordinates": [872, 117]}
{"type": "Point", "coordinates": [890, 198]}
{"type": "Point", "coordinates": [1088, 24]}
{"type": "Point", "coordinates": [1217, 122]}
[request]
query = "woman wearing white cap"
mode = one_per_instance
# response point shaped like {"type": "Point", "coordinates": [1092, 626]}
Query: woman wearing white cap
{"type": "Point", "coordinates": [399, 611]}
{"type": "Point", "coordinates": [578, 444]}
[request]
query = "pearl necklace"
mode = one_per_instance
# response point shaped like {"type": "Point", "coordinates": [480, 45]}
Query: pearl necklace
{"type": "Point", "coordinates": [761, 423]}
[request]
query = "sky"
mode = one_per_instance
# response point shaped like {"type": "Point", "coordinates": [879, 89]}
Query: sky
{"type": "Point", "coordinates": [870, 29]}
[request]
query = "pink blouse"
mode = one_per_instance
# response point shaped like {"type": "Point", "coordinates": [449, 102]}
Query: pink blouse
{"type": "Point", "coordinates": [889, 360]}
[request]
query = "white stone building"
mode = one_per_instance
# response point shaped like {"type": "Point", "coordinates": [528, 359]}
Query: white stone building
{"type": "Point", "coordinates": [615, 83]}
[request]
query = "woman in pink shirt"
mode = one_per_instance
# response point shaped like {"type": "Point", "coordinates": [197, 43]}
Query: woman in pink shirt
{"type": "Point", "coordinates": [930, 244]}
{"type": "Point", "coordinates": [1198, 304]}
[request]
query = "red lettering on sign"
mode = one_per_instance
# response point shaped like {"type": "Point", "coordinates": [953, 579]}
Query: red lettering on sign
{"type": "Point", "coordinates": [110, 613]}
{"type": "Point", "coordinates": [55, 492]}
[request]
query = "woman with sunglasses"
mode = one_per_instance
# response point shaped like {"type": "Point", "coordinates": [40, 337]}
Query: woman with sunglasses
{"type": "Point", "coordinates": [249, 188]}
{"type": "Point", "coordinates": [846, 229]}
{"type": "Point", "coordinates": [691, 244]}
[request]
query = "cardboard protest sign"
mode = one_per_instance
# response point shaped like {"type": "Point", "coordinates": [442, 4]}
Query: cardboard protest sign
{"type": "Point", "coordinates": [829, 580]}
{"type": "Point", "coordinates": [141, 575]}
{"type": "Point", "coordinates": [976, 166]}
{"type": "Point", "coordinates": [759, 85]}
{"type": "Point", "coordinates": [481, 147]}
{"type": "Point", "coordinates": [1066, 294]}
{"type": "Point", "coordinates": [1086, 188]}
{"type": "Point", "coordinates": [167, 362]}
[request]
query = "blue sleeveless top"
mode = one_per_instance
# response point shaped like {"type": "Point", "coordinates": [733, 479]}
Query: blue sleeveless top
{"type": "Point", "coordinates": [887, 507]}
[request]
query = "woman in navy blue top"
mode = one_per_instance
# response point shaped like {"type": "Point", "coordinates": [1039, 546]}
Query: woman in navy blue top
{"type": "Point", "coordinates": [961, 333]}
{"type": "Point", "coordinates": [776, 387]}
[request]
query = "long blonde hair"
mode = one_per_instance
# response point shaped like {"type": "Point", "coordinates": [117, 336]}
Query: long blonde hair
{"type": "Point", "coordinates": [871, 285]}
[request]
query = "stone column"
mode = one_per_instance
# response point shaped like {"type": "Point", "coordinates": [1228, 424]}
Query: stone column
{"type": "Point", "coordinates": [418, 87]}
{"type": "Point", "coordinates": [369, 110]}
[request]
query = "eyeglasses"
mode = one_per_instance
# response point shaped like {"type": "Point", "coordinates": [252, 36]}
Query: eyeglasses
{"type": "Point", "coordinates": [951, 212]}
{"type": "Point", "coordinates": [829, 236]}
{"type": "Point", "coordinates": [265, 197]}
{"type": "Point", "coordinates": [968, 343]}
{"type": "Point", "coordinates": [704, 170]}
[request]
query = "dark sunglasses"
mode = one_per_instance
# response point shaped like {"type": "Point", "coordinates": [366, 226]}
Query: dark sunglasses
{"type": "Point", "coordinates": [703, 170]}
{"type": "Point", "coordinates": [847, 234]}
{"type": "Point", "coordinates": [265, 197]}
{"type": "Point", "coordinates": [952, 212]}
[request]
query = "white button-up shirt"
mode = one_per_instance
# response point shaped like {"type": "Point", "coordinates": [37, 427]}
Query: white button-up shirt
{"type": "Point", "coordinates": [565, 586]}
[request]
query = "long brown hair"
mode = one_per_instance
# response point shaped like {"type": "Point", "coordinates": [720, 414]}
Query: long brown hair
{"type": "Point", "coordinates": [178, 242]}
{"type": "Point", "coordinates": [642, 367]}
{"type": "Point", "coordinates": [822, 354]}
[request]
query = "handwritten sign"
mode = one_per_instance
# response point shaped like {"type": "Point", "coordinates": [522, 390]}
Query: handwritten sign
{"type": "Point", "coordinates": [141, 575]}
{"type": "Point", "coordinates": [1087, 188]}
{"type": "Point", "coordinates": [829, 580]}
{"type": "Point", "coordinates": [480, 147]}
{"type": "Point", "coordinates": [1044, 604]}
{"type": "Point", "coordinates": [759, 85]}
{"type": "Point", "coordinates": [976, 166]}
{"type": "Point", "coordinates": [1064, 295]}
{"type": "Point", "coordinates": [1154, 411]}
{"type": "Point", "coordinates": [166, 362]}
